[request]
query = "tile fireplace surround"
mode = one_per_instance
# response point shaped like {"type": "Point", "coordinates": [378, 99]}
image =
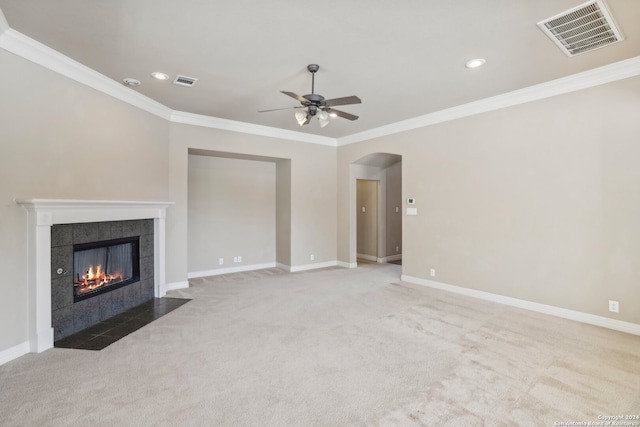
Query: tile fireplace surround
{"type": "Point", "coordinates": [42, 214]}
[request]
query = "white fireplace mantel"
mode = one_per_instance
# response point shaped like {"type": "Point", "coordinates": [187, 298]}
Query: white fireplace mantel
{"type": "Point", "coordinates": [42, 214]}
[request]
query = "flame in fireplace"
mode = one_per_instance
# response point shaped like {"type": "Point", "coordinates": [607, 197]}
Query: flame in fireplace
{"type": "Point", "coordinates": [93, 280]}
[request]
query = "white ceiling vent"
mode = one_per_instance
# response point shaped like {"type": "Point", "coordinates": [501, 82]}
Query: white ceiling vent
{"type": "Point", "coordinates": [586, 27]}
{"type": "Point", "coordinates": [184, 81]}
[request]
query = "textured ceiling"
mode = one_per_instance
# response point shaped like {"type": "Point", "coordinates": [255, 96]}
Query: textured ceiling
{"type": "Point", "coordinates": [403, 59]}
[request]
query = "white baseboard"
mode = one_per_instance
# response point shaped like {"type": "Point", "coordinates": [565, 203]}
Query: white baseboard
{"type": "Point", "coordinates": [380, 260]}
{"type": "Point", "coordinates": [317, 265]}
{"type": "Point", "coordinates": [347, 264]}
{"type": "Point", "coordinates": [290, 269]}
{"type": "Point", "coordinates": [314, 266]}
{"type": "Point", "coordinates": [239, 269]}
{"type": "Point", "coordinates": [172, 287]}
{"type": "Point", "coordinates": [368, 257]}
{"type": "Point", "coordinates": [578, 316]}
{"type": "Point", "coordinates": [284, 267]}
{"type": "Point", "coordinates": [14, 352]}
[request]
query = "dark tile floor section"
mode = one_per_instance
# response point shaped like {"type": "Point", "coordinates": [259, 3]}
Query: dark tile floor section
{"type": "Point", "coordinates": [111, 330]}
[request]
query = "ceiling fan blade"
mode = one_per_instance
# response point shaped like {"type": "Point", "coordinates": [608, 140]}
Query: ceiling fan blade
{"type": "Point", "coordinates": [347, 100]}
{"type": "Point", "coordinates": [298, 97]}
{"type": "Point", "coordinates": [278, 109]}
{"type": "Point", "coordinates": [342, 114]}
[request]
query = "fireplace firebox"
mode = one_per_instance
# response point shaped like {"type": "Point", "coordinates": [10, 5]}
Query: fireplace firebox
{"type": "Point", "coordinates": [100, 267]}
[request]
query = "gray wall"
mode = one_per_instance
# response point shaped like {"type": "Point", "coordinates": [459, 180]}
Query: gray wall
{"type": "Point", "coordinates": [61, 139]}
{"type": "Point", "coordinates": [538, 201]}
{"type": "Point", "coordinates": [231, 212]}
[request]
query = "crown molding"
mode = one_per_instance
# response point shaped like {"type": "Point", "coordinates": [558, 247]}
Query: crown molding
{"type": "Point", "coordinates": [597, 76]}
{"type": "Point", "coordinates": [235, 126]}
{"type": "Point", "coordinates": [36, 52]}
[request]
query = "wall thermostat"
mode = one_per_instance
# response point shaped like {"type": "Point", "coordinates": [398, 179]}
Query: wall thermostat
{"type": "Point", "coordinates": [411, 201]}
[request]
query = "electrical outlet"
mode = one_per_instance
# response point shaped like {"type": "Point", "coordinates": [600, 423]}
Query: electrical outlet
{"type": "Point", "coordinates": [312, 257]}
{"type": "Point", "coordinates": [397, 248]}
{"type": "Point", "coordinates": [614, 306]}
{"type": "Point", "coordinates": [235, 259]}
{"type": "Point", "coordinates": [220, 261]}
{"type": "Point", "coordinates": [433, 272]}
{"type": "Point", "coordinates": [239, 259]}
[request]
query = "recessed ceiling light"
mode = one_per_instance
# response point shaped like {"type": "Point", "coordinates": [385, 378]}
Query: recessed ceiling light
{"type": "Point", "coordinates": [160, 76]}
{"type": "Point", "coordinates": [131, 82]}
{"type": "Point", "coordinates": [475, 63]}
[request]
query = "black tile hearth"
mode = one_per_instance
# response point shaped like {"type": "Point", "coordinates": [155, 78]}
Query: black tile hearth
{"type": "Point", "coordinates": [111, 330]}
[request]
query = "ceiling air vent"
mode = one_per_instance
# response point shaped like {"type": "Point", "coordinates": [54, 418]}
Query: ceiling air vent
{"type": "Point", "coordinates": [184, 81]}
{"type": "Point", "coordinates": [586, 27]}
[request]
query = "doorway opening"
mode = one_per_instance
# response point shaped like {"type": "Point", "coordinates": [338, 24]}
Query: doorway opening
{"type": "Point", "coordinates": [367, 219]}
{"type": "Point", "coordinates": [376, 209]}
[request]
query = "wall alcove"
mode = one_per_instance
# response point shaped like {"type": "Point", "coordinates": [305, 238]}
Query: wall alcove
{"type": "Point", "coordinates": [238, 212]}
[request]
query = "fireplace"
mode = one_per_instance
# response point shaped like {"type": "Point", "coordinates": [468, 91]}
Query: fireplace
{"type": "Point", "coordinates": [104, 266]}
{"type": "Point", "coordinates": [48, 267]}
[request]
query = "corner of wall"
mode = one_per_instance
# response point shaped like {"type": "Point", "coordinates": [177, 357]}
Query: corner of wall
{"type": "Point", "coordinates": [4, 25]}
{"type": "Point", "coordinates": [166, 287]}
{"type": "Point", "coordinates": [347, 264]}
{"type": "Point", "coordinates": [284, 267]}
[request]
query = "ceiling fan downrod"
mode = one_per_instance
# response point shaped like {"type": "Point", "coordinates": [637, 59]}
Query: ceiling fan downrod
{"type": "Point", "coordinates": [312, 69]}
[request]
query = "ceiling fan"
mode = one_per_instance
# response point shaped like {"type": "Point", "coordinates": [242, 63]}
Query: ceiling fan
{"type": "Point", "coordinates": [316, 106]}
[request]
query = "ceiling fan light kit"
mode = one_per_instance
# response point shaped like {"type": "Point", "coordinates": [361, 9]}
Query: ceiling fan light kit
{"type": "Point", "coordinates": [316, 106]}
{"type": "Point", "coordinates": [302, 117]}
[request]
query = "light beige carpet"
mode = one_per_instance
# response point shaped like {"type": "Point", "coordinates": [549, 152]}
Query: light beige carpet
{"type": "Point", "coordinates": [333, 347]}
